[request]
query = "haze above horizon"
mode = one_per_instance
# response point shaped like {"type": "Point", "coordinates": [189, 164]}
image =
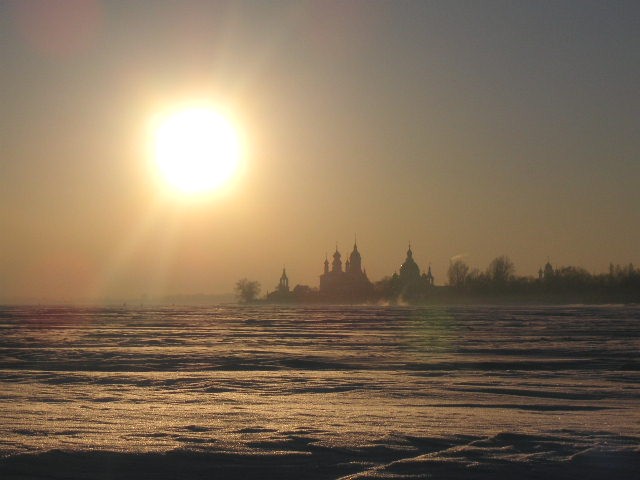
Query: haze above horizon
{"type": "Point", "coordinates": [466, 128]}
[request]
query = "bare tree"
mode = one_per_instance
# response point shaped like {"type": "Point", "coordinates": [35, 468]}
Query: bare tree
{"type": "Point", "coordinates": [501, 269]}
{"type": "Point", "coordinates": [247, 290]}
{"type": "Point", "coordinates": [457, 273]}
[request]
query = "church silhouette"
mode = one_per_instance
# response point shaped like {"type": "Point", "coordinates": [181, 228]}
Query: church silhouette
{"type": "Point", "coordinates": [351, 284]}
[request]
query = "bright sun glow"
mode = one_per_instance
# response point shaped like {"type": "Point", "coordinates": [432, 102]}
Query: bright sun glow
{"type": "Point", "coordinates": [197, 150]}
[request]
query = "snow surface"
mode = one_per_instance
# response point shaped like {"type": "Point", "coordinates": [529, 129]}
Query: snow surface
{"type": "Point", "coordinates": [320, 392]}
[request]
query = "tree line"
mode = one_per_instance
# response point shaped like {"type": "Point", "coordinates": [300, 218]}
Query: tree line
{"type": "Point", "coordinates": [563, 283]}
{"type": "Point", "coordinates": [500, 276]}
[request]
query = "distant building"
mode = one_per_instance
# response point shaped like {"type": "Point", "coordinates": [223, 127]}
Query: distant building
{"type": "Point", "coordinates": [410, 283]}
{"type": "Point", "coordinates": [348, 284]}
{"type": "Point", "coordinates": [547, 273]}
{"type": "Point", "coordinates": [409, 270]}
{"type": "Point", "coordinates": [283, 286]}
{"type": "Point", "coordinates": [429, 277]}
{"type": "Point", "coordinates": [351, 284]}
{"type": "Point", "coordinates": [282, 292]}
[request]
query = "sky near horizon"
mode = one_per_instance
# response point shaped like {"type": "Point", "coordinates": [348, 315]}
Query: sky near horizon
{"type": "Point", "coordinates": [469, 129]}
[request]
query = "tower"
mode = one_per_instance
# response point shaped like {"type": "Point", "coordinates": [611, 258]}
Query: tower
{"type": "Point", "coordinates": [283, 286]}
{"type": "Point", "coordinates": [548, 270]}
{"type": "Point", "coordinates": [348, 284]}
{"type": "Point", "coordinates": [429, 277]}
{"type": "Point", "coordinates": [336, 266]}
{"type": "Point", "coordinates": [355, 261]}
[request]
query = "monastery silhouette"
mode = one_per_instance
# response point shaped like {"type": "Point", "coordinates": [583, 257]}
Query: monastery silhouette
{"type": "Point", "coordinates": [351, 283]}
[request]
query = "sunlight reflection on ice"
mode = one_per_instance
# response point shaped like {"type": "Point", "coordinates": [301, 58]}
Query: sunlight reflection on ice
{"type": "Point", "coordinates": [364, 384]}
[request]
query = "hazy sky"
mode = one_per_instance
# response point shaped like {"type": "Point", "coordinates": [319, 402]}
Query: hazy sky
{"type": "Point", "coordinates": [468, 128]}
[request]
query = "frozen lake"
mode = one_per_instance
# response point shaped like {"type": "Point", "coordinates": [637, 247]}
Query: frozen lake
{"type": "Point", "coordinates": [320, 392]}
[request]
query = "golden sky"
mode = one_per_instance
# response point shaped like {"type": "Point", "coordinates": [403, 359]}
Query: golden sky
{"type": "Point", "coordinates": [466, 128]}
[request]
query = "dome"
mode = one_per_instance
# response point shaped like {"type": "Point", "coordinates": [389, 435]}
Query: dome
{"type": "Point", "coordinates": [409, 269]}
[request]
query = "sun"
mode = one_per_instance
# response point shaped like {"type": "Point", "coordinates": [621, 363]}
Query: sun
{"type": "Point", "coordinates": [196, 150]}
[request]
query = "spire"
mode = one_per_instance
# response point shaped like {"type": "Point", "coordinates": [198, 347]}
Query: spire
{"type": "Point", "coordinates": [429, 276]}
{"type": "Point", "coordinates": [355, 260]}
{"type": "Point", "coordinates": [283, 286]}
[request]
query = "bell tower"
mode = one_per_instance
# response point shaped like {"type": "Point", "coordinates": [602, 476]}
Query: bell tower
{"type": "Point", "coordinates": [355, 260]}
{"type": "Point", "coordinates": [283, 286]}
{"type": "Point", "coordinates": [336, 266]}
